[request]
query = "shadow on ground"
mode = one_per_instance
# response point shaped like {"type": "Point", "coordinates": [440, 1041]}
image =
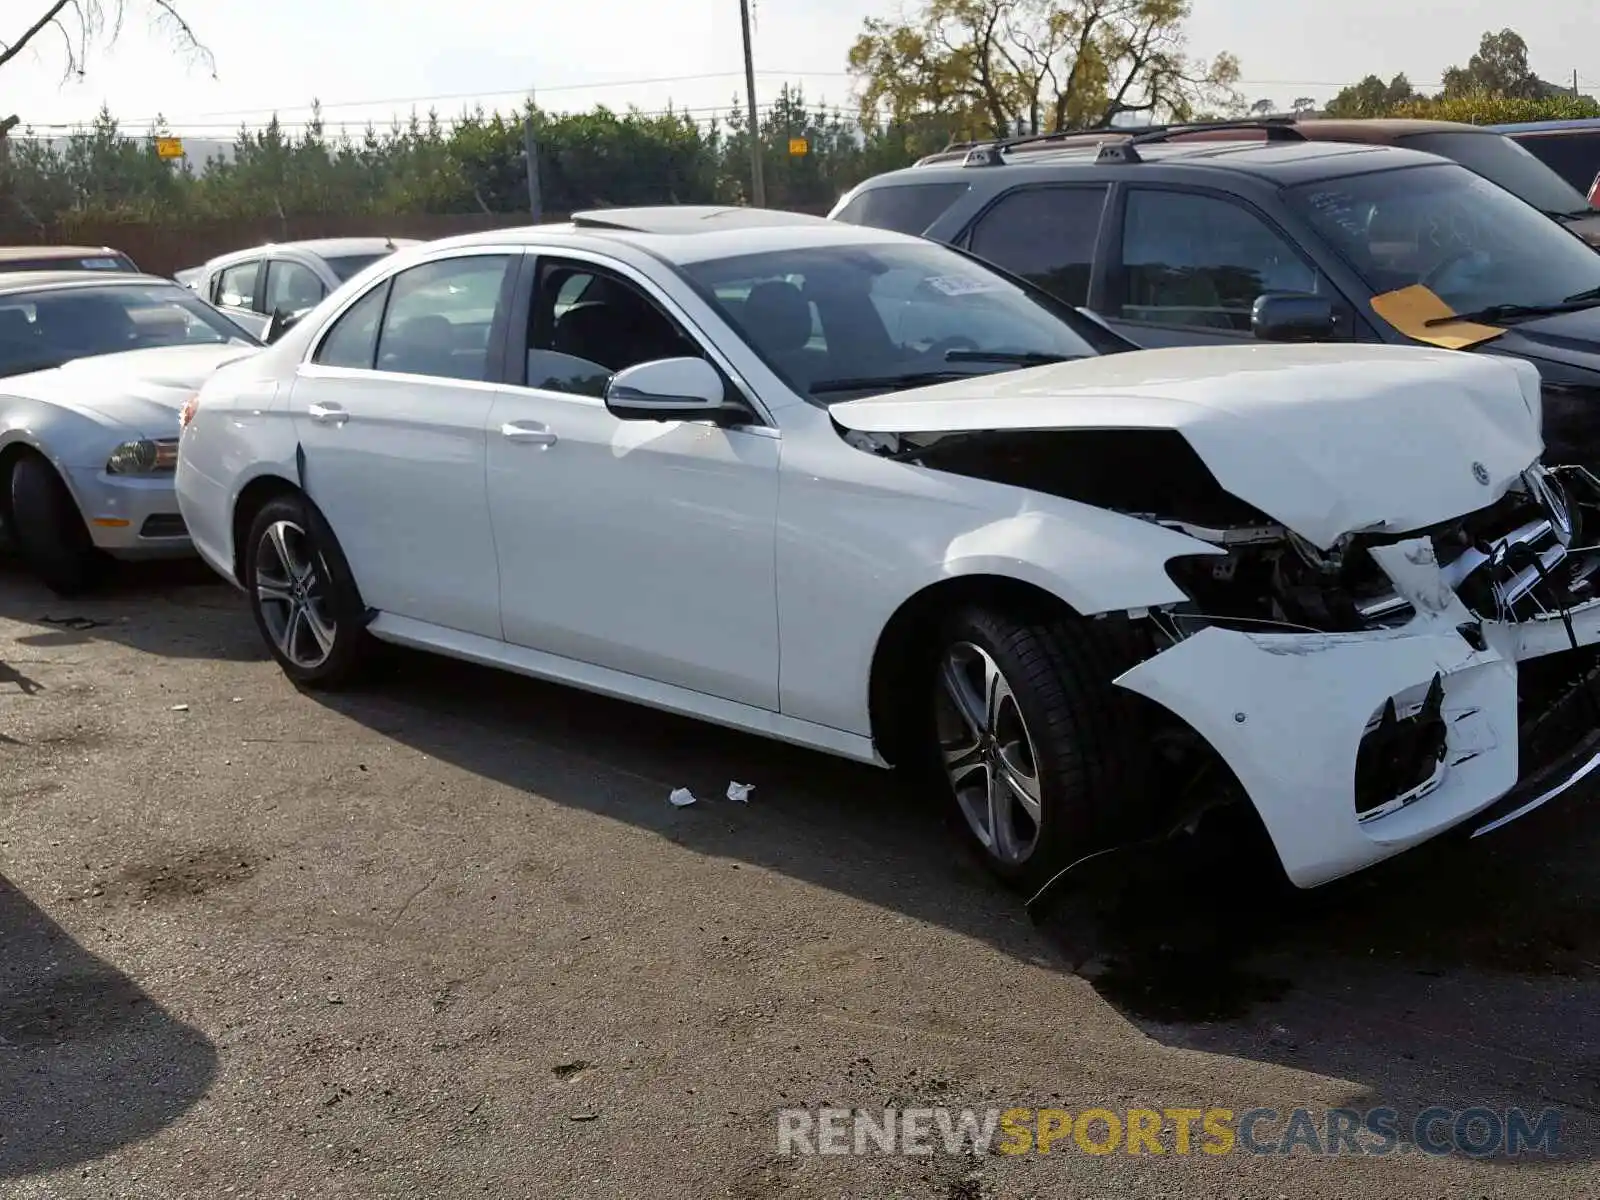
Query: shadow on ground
{"type": "Point", "coordinates": [147, 606]}
{"type": "Point", "coordinates": [1456, 974]}
{"type": "Point", "coordinates": [88, 1062]}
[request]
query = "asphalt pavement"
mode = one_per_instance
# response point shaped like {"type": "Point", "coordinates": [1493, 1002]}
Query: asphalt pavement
{"type": "Point", "coordinates": [446, 936]}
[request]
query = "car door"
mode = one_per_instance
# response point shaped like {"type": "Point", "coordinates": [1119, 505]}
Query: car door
{"type": "Point", "coordinates": [1188, 266]}
{"type": "Point", "coordinates": [640, 546]}
{"type": "Point", "coordinates": [390, 410]}
{"type": "Point", "coordinates": [234, 289]}
{"type": "Point", "coordinates": [291, 287]}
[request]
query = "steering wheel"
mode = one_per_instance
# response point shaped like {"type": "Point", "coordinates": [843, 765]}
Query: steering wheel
{"type": "Point", "coordinates": [946, 344]}
{"type": "Point", "coordinates": [1448, 261]}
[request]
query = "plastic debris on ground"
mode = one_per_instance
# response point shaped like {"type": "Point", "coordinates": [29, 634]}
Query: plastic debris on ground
{"type": "Point", "coordinates": [682, 798]}
{"type": "Point", "coordinates": [740, 792]}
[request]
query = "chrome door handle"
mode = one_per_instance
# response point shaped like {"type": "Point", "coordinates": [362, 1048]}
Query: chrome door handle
{"type": "Point", "coordinates": [530, 432]}
{"type": "Point", "coordinates": [327, 414]}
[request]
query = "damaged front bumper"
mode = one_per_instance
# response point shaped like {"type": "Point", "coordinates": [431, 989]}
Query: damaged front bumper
{"type": "Point", "coordinates": [1354, 747]}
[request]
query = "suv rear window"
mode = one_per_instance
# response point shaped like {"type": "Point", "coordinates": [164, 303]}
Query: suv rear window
{"type": "Point", "coordinates": [901, 208]}
{"type": "Point", "coordinates": [1501, 160]}
{"type": "Point", "coordinates": [1573, 156]}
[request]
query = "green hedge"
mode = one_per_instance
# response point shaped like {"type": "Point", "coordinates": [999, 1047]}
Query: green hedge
{"type": "Point", "coordinates": [1498, 110]}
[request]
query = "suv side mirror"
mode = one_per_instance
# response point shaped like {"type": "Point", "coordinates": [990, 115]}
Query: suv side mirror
{"type": "Point", "coordinates": [668, 389]}
{"type": "Point", "coordinates": [1292, 317]}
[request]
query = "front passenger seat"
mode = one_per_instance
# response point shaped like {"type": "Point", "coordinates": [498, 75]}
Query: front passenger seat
{"type": "Point", "coordinates": [777, 319]}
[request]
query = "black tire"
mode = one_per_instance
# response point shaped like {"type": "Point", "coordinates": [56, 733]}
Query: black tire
{"type": "Point", "coordinates": [330, 592]}
{"type": "Point", "coordinates": [1086, 736]}
{"type": "Point", "coordinates": [49, 531]}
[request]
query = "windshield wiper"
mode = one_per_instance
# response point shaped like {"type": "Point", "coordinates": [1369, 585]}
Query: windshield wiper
{"type": "Point", "coordinates": [1576, 302]}
{"type": "Point", "coordinates": [1021, 358]}
{"type": "Point", "coordinates": [888, 382]}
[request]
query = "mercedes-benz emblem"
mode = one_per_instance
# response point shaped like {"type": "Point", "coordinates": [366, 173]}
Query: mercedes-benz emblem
{"type": "Point", "coordinates": [1480, 473]}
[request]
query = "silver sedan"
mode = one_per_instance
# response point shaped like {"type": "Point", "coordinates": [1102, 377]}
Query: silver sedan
{"type": "Point", "coordinates": [93, 373]}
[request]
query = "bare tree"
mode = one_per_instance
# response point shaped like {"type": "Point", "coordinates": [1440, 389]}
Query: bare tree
{"type": "Point", "coordinates": [81, 24]}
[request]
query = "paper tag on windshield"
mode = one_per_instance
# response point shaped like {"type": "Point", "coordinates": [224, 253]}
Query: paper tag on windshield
{"type": "Point", "coordinates": [963, 285]}
{"type": "Point", "coordinates": [1411, 309]}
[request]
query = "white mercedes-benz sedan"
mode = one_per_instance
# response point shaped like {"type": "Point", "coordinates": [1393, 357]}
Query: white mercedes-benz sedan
{"type": "Point", "coordinates": [854, 490]}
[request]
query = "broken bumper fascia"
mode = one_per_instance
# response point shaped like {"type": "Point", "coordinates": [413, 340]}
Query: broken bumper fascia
{"type": "Point", "coordinates": [1287, 713]}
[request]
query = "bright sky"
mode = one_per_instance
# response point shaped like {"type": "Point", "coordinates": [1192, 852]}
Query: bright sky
{"type": "Point", "coordinates": [368, 59]}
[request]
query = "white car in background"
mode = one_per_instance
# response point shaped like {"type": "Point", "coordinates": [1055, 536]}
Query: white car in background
{"type": "Point", "coordinates": [286, 279]}
{"type": "Point", "coordinates": [93, 370]}
{"type": "Point", "coordinates": [841, 487]}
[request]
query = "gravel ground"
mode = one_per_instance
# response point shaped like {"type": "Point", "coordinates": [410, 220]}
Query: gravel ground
{"type": "Point", "coordinates": [445, 936]}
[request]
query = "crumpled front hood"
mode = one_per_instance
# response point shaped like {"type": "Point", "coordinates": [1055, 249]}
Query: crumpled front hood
{"type": "Point", "coordinates": [140, 389]}
{"type": "Point", "coordinates": [1326, 439]}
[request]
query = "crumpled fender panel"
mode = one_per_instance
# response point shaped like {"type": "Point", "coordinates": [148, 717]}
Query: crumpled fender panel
{"type": "Point", "coordinates": [1287, 713]}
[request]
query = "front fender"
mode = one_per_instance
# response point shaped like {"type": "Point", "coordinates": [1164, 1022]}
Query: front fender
{"type": "Point", "coordinates": [68, 438]}
{"type": "Point", "coordinates": [1096, 561]}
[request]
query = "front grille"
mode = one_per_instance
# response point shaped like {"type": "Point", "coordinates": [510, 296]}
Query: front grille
{"type": "Point", "coordinates": [1523, 556]}
{"type": "Point", "coordinates": [163, 525]}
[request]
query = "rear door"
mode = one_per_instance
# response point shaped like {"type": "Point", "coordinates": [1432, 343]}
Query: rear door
{"type": "Point", "coordinates": [1048, 234]}
{"type": "Point", "coordinates": [390, 413]}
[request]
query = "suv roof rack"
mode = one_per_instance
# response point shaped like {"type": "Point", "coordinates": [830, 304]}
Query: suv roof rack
{"type": "Point", "coordinates": [991, 154]}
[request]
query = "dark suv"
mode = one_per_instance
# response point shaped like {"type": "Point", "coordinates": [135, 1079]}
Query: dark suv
{"type": "Point", "coordinates": [1182, 243]}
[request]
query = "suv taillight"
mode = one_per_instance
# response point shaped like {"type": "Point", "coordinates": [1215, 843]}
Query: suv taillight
{"type": "Point", "coordinates": [186, 414]}
{"type": "Point", "coordinates": [1594, 193]}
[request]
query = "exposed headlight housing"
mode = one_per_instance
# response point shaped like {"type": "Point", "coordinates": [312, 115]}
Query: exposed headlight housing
{"type": "Point", "coordinates": [146, 456]}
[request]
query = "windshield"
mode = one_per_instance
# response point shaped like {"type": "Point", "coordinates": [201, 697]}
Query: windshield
{"type": "Point", "coordinates": [841, 318]}
{"type": "Point", "coordinates": [47, 328]}
{"type": "Point", "coordinates": [345, 266]}
{"type": "Point", "coordinates": [1500, 160]}
{"type": "Point", "coordinates": [1470, 242]}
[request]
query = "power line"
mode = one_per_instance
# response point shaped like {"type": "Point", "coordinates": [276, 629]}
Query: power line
{"type": "Point", "coordinates": [444, 97]}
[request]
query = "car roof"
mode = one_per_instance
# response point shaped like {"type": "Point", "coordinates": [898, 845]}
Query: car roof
{"type": "Point", "coordinates": [686, 233]}
{"type": "Point", "coordinates": [14, 253]}
{"type": "Point", "coordinates": [321, 247]}
{"type": "Point", "coordinates": [1282, 162]}
{"type": "Point", "coordinates": [1573, 125]}
{"type": "Point", "coordinates": [35, 281]}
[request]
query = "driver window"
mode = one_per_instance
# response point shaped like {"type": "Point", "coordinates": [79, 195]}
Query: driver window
{"type": "Point", "coordinates": [1199, 261]}
{"type": "Point", "coordinates": [586, 324]}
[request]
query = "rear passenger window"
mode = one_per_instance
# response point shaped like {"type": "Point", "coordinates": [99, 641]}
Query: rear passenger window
{"type": "Point", "coordinates": [236, 286]}
{"type": "Point", "coordinates": [1047, 235]}
{"type": "Point", "coordinates": [1200, 261]}
{"type": "Point", "coordinates": [440, 315]}
{"type": "Point", "coordinates": [353, 340]}
{"type": "Point", "coordinates": [902, 208]}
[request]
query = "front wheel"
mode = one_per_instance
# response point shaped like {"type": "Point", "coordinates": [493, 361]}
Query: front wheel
{"type": "Point", "coordinates": [303, 596]}
{"type": "Point", "coordinates": [1039, 750]}
{"type": "Point", "coordinates": [49, 531]}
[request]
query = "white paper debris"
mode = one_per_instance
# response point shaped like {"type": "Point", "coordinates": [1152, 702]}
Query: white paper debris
{"type": "Point", "coordinates": [740, 792]}
{"type": "Point", "coordinates": [682, 797]}
{"type": "Point", "coordinates": [180, 708]}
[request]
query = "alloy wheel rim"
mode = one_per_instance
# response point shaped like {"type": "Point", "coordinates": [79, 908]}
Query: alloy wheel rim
{"type": "Point", "coordinates": [292, 597]}
{"type": "Point", "coordinates": [988, 754]}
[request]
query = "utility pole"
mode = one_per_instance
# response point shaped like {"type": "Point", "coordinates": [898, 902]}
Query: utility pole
{"type": "Point", "coordinates": [530, 150]}
{"type": "Point", "coordinates": [758, 187]}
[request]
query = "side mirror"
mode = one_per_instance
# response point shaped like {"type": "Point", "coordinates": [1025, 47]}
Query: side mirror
{"type": "Point", "coordinates": [1292, 317]}
{"type": "Point", "coordinates": [667, 389]}
{"type": "Point", "coordinates": [280, 324]}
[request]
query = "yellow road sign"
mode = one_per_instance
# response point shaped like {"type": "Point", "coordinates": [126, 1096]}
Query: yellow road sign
{"type": "Point", "coordinates": [169, 147]}
{"type": "Point", "coordinates": [797, 146]}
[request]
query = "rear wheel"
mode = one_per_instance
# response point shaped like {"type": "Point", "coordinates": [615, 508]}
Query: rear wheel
{"type": "Point", "coordinates": [303, 596]}
{"type": "Point", "coordinates": [49, 531]}
{"type": "Point", "coordinates": [1039, 750]}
